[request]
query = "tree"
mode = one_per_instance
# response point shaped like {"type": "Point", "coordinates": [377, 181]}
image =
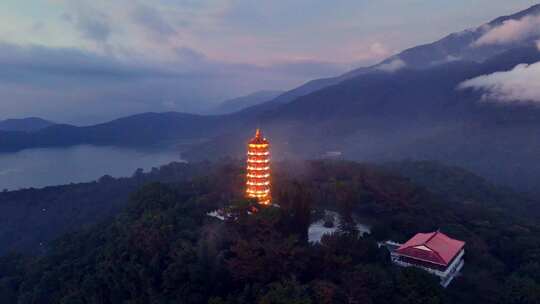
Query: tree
{"type": "Point", "coordinates": [520, 290]}
{"type": "Point", "coordinates": [346, 200]}
{"type": "Point", "coordinates": [415, 286]}
{"type": "Point", "coordinates": [295, 202]}
{"type": "Point", "coordinates": [260, 253]}
{"type": "Point", "coordinates": [286, 292]}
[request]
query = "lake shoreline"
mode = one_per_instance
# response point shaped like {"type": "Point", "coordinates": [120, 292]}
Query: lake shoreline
{"type": "Point", "coordinates": [43, 167]}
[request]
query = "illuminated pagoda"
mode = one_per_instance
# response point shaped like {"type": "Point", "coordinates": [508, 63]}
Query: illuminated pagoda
{"type": "Point", "coordinates": [258, 184]}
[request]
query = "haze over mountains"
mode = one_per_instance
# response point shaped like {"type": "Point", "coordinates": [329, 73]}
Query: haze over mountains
{"type": "Point", "coordinates": [243, 102]}
{"type": "Point", "coordinates": [456, 100]}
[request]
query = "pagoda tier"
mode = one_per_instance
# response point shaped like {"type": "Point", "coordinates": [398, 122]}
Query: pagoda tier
{"type": "Point", "coordinates": [258, 170]}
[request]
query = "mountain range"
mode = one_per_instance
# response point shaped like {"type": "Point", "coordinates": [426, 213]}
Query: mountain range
{"type": "Point", "coordinates": [29, 124]}
{"type": "Point", "coordinates": [413, 105]}
{"type": "Point", "coordinates": [243, 102]}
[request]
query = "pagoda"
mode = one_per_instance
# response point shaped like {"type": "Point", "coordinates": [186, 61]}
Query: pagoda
{"type": "Point", "coordinates": [258, 184]}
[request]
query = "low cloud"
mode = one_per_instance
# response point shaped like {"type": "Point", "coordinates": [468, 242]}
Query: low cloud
{"type": "Point", "coordinates": [306, 68]}
{"type": "Point", "coordinates": [76, 86]}
{"type": "Point", "coordinates": [40, 65]}
{"type": "Point", "coordinates": [511, 31]}
{"type": "Point", "coordinates": [447, 59]}
{"type": "Point", "coordinates": [392, 66]}
{"type": "Point", "coordinates": [9, 171]}
{"type": "Point", "coordinates": [518, 85]}
{"type": "Point", "coordinates": [151, 19]}
{"type": "Point", "coordinates": [378, 50]}
{"type": "Point", "coordinates": [106, 59]}
{"type": "Point", "coordinates": [92, 24]}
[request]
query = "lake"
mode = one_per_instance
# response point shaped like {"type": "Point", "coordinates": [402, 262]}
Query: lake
{"type": "Point", "coordinates": [57, 166]}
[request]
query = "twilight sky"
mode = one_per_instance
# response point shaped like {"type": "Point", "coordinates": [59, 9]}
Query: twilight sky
{"type": "Point", "coordinates": [85, 61]}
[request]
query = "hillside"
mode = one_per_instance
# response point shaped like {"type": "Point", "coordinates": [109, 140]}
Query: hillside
{"type": "Point", "coordinates": [243, 102]}
{"type": "Point", "coordinates": [417, 114]}
{"type": "Point", "coordinates": [164, 249]}
{"type": "Point", "coordinates": [412, 109]}
{"type": "Point", "coordinates": [457, 185]}
{"type": "Point", "coordinates": [147, 129]}
{"type": "Point", "coordinates": [29, 124]}
{"type": "Point", "coordinates": [32, 218]}
{"type": "Point", "coordinates": [454, 47]}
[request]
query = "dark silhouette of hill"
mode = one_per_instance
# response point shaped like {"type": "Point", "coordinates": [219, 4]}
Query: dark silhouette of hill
{"type": "Point", "coordinates": [147, 129]}
{"type": "Point", "coordinates": [29, 124]}
{"type": "Point", "coordinates": [32, 218]}
{"type": "Point", "coordinates": [162, 248]}
{"type": "Point", "coordinates": [457, 185]}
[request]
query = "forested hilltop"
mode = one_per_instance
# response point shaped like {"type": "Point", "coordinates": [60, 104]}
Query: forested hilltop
{"type": "Point", "coordinates": [163, 248]}
{"type": "Point", "coordinates": [31, 218]}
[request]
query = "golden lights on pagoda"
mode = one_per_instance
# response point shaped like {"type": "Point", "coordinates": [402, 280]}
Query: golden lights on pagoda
{"type": "Point", "coordinates": [258, 170]}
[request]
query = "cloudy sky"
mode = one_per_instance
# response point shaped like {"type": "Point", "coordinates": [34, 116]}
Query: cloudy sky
{"type": "Point", "coordinates": [85, 61]}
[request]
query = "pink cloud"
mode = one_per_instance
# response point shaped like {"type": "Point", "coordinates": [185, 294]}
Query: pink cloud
{"type": "Point", "coordinates": [517, 85]}
{"type": "Point", "coordinates": [392, 66]}
{"type": "Point", "coordinates": [511, 31]}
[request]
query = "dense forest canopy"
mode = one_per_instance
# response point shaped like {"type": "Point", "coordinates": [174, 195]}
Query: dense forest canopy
{"type": "Point", "coordinates": [163, 248]}
{"type": "Point", "coordinates": [31, 218]}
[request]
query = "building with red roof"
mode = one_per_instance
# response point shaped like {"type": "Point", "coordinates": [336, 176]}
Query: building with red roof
{"type": "Point", "coordinates": [434, 252]}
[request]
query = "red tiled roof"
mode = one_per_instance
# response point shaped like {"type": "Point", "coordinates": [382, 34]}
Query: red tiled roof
{"type": "Point", "coordinates": [435, 247]}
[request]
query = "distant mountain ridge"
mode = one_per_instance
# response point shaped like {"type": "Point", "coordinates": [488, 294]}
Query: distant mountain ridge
{"type": "Point", "coordinates": [409, 109]}
{"type": "Point", "coordinates": [240, 103]}
{"type": "Point", "coordinates": [416, 111]}
{"type": "Point", "coordinates": [418, 114]}
{"type": "Point", "coordinates": [29, 124]}
{"type": "Point", "coordinates": [141, 130]}
{"type": "Point", "coordinates": [450, 48]}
